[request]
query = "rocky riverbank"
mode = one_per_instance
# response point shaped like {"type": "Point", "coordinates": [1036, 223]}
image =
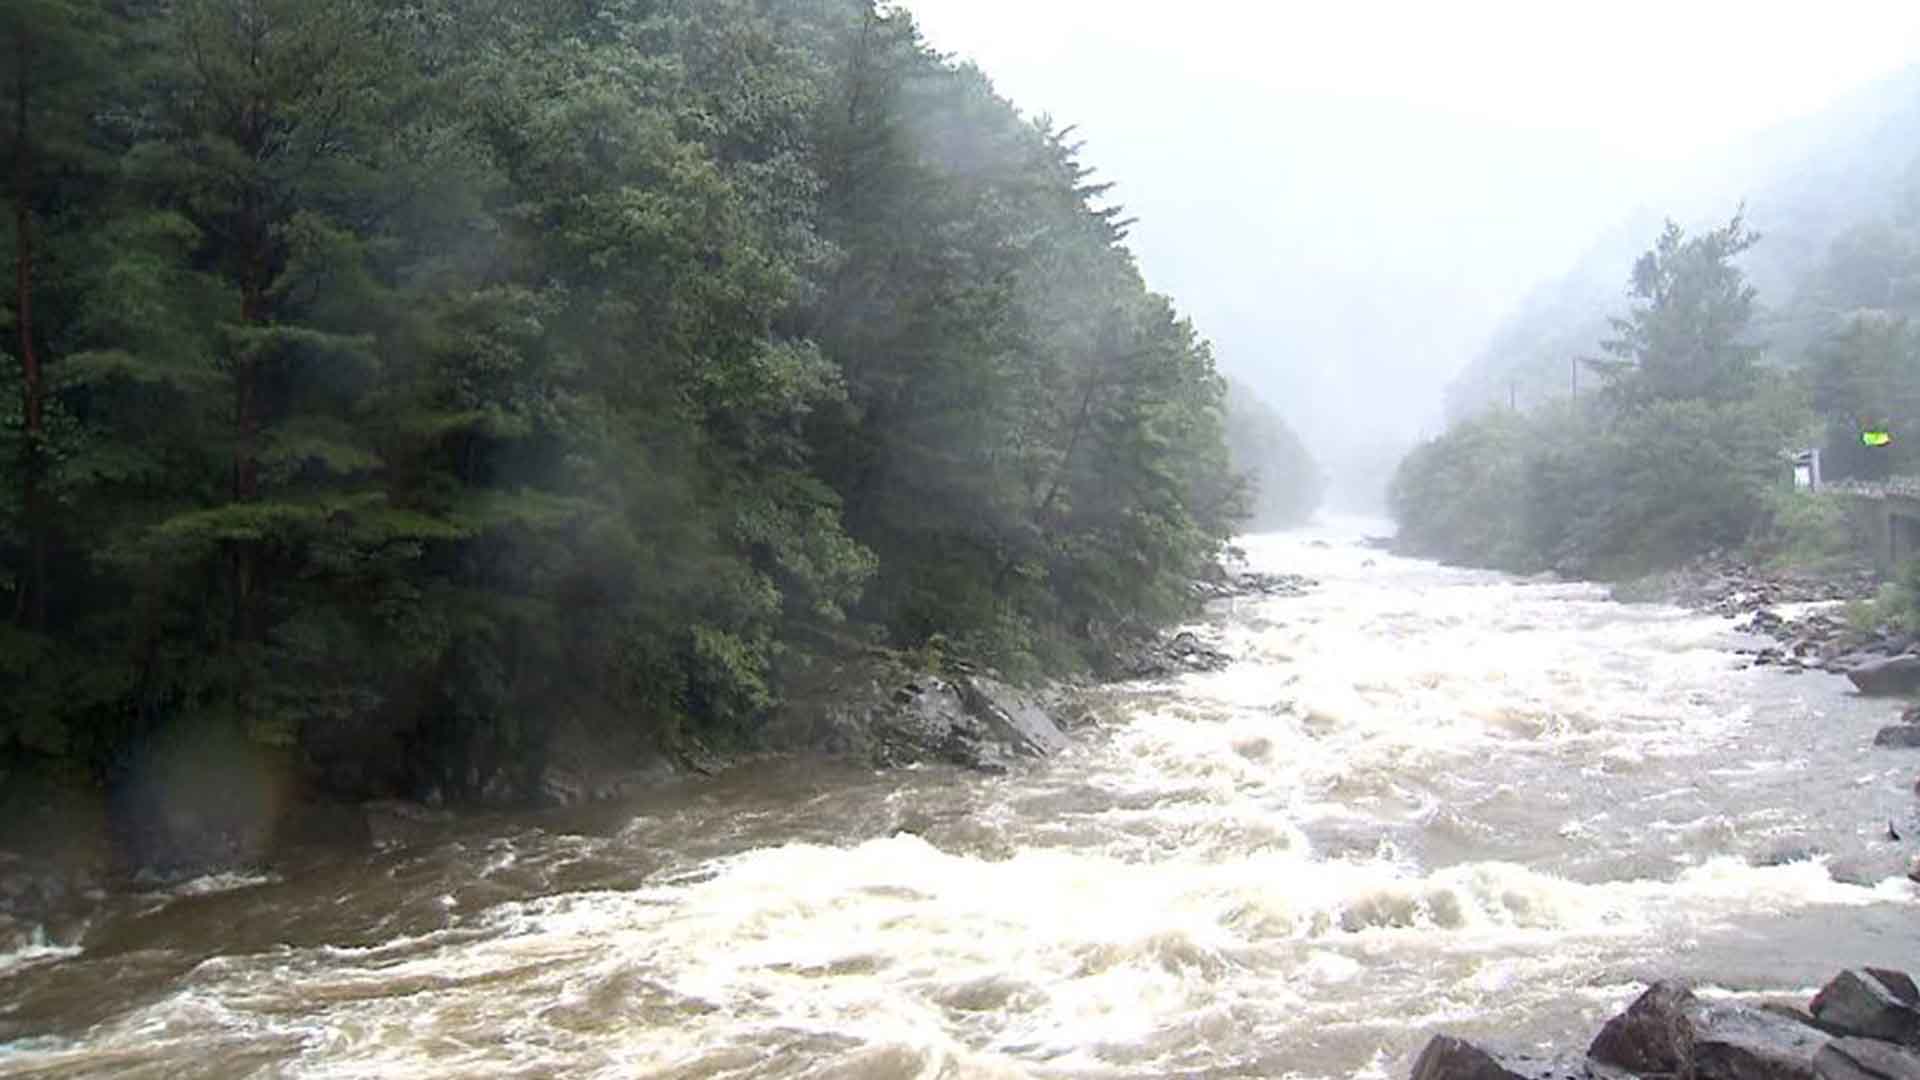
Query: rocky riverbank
{"type": "Point", "coordinates": [1863, 1025]}
{"type": "Point", "coordinates": [1823, 639]}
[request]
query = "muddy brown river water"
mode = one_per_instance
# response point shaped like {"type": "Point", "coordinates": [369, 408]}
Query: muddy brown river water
{"type": "Point", "coordinates": [1422, 799]}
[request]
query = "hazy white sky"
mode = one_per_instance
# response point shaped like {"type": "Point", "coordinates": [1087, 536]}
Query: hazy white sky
{"type": "Point", "coordinates": [1346, 195]}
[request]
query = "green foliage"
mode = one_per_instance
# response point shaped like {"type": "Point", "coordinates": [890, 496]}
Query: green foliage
{"type": "Point", "coordinates": [1868, 376]}
{"type": "Point", "coordinates": [1896, 606]}
{"type": "Point", "coordinates": [1818, 532]}
{"type": "Point", "coordinates": [1683, 454]}
{"type": "Point", "coordinates": [1460, 497]}
{"type": "Point", "coordinates": [426, 376]}
{"type": "Point", "coordinates": [1683, 337]}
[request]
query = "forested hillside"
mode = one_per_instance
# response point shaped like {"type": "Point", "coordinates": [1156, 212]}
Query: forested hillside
{"type": "Point", "coordinates": [1612, 432]}
{"type": "Point", "coordinates": [1829, 193]}
{"type": "Point", "coordinates": [427, 372]}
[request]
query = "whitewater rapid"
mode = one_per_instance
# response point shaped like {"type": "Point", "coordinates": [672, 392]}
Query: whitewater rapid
{"type": "Point", "coordinates": [1421, 799]}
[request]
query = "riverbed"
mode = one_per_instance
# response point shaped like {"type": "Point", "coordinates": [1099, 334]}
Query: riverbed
{"type": "Point", "coordinates": [1420, 799]}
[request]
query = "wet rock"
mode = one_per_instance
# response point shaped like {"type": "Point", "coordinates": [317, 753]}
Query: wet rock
{"type": "Point", "coordinates": [1895, 675]}
{"type": "Point", "coordinates": [1865, 1059]}
{"type": "Point", "coordinates": [396, 823]}
{"type": "Point", "coordinates": [1898, 737]}
{"type": "Point", "coordinates": [1733, 1042]}
{"type": "Point", "coordinates": [1448, 1058]}
{"type": "Point", "coordinates": [1163, 657]}
{"type": "Point", "coordinates": [1229, 582]}
{"type": "Point", "coordinates": [1015, 717]}
{"type": "Point", "coordinates": [1654, 1035]}
{"type": "Point", "coordinates": [598, 759]}
{"type": "Point", "coordinates": [1872, 1002]}
{"type": "Point", "coordinates": [891, 716]}
{"type": "Point", "coordinates": [1669, 1030]}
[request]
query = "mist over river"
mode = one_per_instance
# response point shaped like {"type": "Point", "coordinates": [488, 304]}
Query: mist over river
{"type": "Point", "coordinates": [1422, 799]}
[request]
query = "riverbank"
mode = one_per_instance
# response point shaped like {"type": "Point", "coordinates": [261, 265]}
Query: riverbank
{"type": "Point", "coordinates": [66, 846]}
{"type": "Point", "coordinates": [1419, 800]}
{"type": "Point", "coordinates": [1864, 1024]}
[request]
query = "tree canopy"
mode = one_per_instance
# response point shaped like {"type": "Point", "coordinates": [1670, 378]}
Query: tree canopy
{"type": "Point", "coordinates": [419, 376]}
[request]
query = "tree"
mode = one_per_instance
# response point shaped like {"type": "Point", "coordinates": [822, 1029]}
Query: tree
{"type": "Point", "coordinates": [1868, 374]}
{"type": "Point", "coordinates": [1684, 336]}
{"type": "Point", "coordinates": [50, 74]}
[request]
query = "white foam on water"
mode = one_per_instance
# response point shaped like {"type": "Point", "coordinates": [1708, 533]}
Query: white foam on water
{"type": "Point", "coordinates": [1424, 798]}
{"type": "Point", "coordinates": [32, 946]}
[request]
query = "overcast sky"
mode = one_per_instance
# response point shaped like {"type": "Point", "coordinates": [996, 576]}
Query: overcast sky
{"type": "Point", "coordinates": [1346, 196]}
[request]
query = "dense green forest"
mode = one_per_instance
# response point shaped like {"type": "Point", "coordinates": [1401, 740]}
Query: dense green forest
{"type": "Point", "coordinates": [423, 372]}
{"type": "Point", "coordinates": [1830, 193]}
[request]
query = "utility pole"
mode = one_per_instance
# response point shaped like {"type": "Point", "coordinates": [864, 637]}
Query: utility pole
{"type": "Point", "coordinates": [1513, 397]}
{"type": "Point", "coordinates": [1574, 365]}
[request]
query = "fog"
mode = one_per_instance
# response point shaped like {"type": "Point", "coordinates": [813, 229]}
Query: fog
{"type": "Point", "coordinates": [1348, 198]}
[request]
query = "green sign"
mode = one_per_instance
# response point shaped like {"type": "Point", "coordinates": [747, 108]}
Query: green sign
{"type": "Point", "coordinates": [1876, 438]}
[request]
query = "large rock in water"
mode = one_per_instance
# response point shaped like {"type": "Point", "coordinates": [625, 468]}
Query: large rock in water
{"type": "Point", "coordinates": [1873, 1003]}
{"type": "Point", "coordinates": [1448, 1058]}
{"type": "Point", "coordinates": [892, 716]}
{"type": "Point", "coordinates": [1654, 1035]}
{"type": "Point", "coordinates": [1894, 675]}
{"type": "Point", "coordinates": [1898, 737]}
{"type": "Point", "coordinates": [1865, 1059]}
{"type": "Point", "coordinates": [1669, 1030]}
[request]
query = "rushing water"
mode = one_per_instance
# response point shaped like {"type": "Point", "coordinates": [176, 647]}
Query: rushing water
{"type": "Point", "coordinates": [1423, 799]}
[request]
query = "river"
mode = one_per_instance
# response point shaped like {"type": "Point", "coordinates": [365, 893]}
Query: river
{"type": "Point", "coordinates": [1422, 799]}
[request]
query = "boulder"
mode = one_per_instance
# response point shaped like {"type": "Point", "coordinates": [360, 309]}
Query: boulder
{"type": "Point", "coordinates": [1654, 1035]}
{"type": "Point", "coordinates": [1448, 1058]}
{"type": "Point", "coordinates": [1669, 1030]}
{"type": "Point", "coordinates": [1898, 737]}
{"type": "Point", "coordinates": [1871, 1002]}
{"type": "Point", "coordinates": [1892, 676]}
{"type": "Point", "coordinates": [1865, 1059]}
{"type": "Point", "coordinates": [1161, 657]}
{"type": "Point", "coordinates": [1013, 716]}
{"type": "Point", "coordinates": [1734, 1042]}
{"type": "Point", "coordinates": [890, 716]}
{"type": "Point", "coordinates": [589, 757]}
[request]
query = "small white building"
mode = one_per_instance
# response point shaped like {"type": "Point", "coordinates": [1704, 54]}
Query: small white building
{"type": "Point", "coordinates": [1806, 470]}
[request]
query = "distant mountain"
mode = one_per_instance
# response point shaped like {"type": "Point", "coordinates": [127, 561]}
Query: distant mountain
{"type": "Point", "coordinates": [1805, 185]}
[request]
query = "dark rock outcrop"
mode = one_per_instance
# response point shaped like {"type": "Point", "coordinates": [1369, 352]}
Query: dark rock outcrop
{"type": "Point", "coordinates": [1165, 657]}
{"type": "Point", "coordinates": [1894, 675]}
{"type": "Point", "coordinates": [1725, 585]}
{"type": "Point", "coordinates": [1898, 737]}
{"type": "Point", "coordinates": [1873, 1003]}
{"type": "Point", "coordinates": [1227, 582]}
{"type": "Point", "coordinates": [1670, 1031]}
{"type": "Point", "coordinates": [1863, 1025]}
{"type": "Point", "coordinates": [1448, 1058]}
{"type": "Point", "coordinates": [889, 715]}
{"type": "Point", "coordinates": [1654, 1035]}
{"type": "Point", "coordinates": [1865, 1059]}
{"type": "Point", "coordinates": [1734, 1042]}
